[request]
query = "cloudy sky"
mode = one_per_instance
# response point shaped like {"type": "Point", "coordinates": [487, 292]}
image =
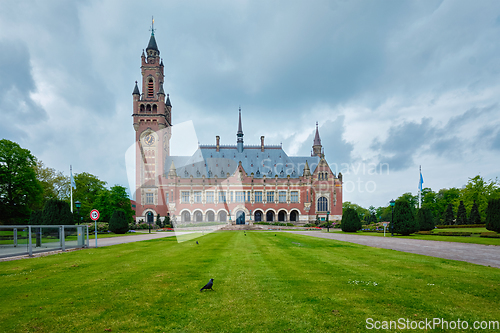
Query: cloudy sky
{"type": "Point", "coordinates": [393, 84]}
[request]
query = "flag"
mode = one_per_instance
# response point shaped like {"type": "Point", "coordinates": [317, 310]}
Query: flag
{"type": "Point", "coordinates": [73, 185]}
{"type": "Point", "coordinates": [421, 181]}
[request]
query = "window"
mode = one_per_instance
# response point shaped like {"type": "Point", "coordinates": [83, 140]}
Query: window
{"type": "Point", "coordinates": [248, 196]}
{"type": "Point", "coordinates": [149, 199]}
{"type": "Point", "coordinates": [294, 196]}
{"type": "Point", "coordinates": [150, 88]}
{"type": "Point", "coordinates": [210, 197]}
{"type": "Point", "coordinates": [326, 176]}
{"type": "Point", "coordinates": [222, 196]}
{"type": "Point", "coordinates": [197, 196]}
{"type": "Point", "coordinates": [258, 196]}
{"type": "Point", "coordinates": [240, 196]}
{"type": "Point", "coordinates": [166, 197]}
{"type": "Point", "coordinates": [185, 197]}
{"type": "Point", "coordinates": [232, 196]}
{"type": "Point", "coordinates": [270, 196]}
{"type": "Point", "coordinates": [322, 204]}
{"type": "Point", "coordinates": [282, 196]}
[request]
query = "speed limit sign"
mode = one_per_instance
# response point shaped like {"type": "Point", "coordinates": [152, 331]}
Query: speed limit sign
{"type": "Point", "coordinates": [94, 214]}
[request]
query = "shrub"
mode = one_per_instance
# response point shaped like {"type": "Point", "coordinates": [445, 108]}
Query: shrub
{"type": "Point", "coordinates": [453, 233]}
{"type": "Point", "coordinates": [404, 221]}
{"type": "Point", "coordinates": [350, 221]}
{"type": "Point", "coordinates": [460, 226]}
{"type": "Point", "coordinates": [490, 235]}
{"type": "Point", "coordinates": [57, 212]}
{"type": "Point", "coordinates": [493, 215]}
{"type": "Point", "coordinates": [425, 219]}
{"type": "Point", "coordinates": [118, 222]}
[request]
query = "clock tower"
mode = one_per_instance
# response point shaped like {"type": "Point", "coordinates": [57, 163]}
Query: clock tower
{"type": "Point", "coordinates": [152, 120]}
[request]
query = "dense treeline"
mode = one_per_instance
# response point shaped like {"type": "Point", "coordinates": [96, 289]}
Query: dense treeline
{"type": "Point", "coordinates": [33, 193]}
{"type": "Point", "coordinates": [452, 206]}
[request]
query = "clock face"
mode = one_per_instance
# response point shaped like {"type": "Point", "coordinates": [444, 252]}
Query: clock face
{"type": "Point", "coordinates": [149, 139]}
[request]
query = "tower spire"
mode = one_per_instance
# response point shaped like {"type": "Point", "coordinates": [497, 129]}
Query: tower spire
{"type": "Point", "coordinates": [239, 142]}
{"type": "Point", "coordinates": [317, 143]}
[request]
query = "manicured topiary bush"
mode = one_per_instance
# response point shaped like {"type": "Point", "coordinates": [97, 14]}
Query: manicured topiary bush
{"type": "Point", "coordinates": [118, 222]}
{"type": "Point", "coordinates": [425, 219]}
{"type": "Point", "coordinates": [475, 217]}
{"type": "Point", "coordinates": [350, 221]}
{"type": "Point", "coordinates": [404, 221]}
{"type": "Point", "coordinates": [493, 215]}
{"type": "Point", "coordinates": [449, 216]}
{"type": "Point", "coordinates": [36, 217]}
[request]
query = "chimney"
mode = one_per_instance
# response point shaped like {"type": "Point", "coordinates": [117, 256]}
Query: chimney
{"type": "Point", "coordinates": [217, 143]}
{"type": "Point", "coordinates": [262, 143]}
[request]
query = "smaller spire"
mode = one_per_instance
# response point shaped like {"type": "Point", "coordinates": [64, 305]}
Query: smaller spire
{"type": "Point", "coordinates": [307, 171]}
{"type": "Point", "coordinates": [167, 103]}
{"type": "Point", "coordinates": [240, 130]}
{"type": "Point", "coordinates": [161, 92]}
{"type": "Point", "coordinates": [136, 89]}
{"type": "Point", "coordinates": [317, 140]}
{"type": "Point", "coordinates": [172, 172]}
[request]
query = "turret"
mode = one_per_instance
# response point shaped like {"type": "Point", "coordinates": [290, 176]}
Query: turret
{"type": "Point", "coordinates": [239, 142]}
{"type": "Point", "coordinates": [316, 144]}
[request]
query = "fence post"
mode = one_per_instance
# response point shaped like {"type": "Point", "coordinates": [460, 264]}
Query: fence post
{"type": "Point", "coordinates": [15, 237]}
{"type": "Point", "coordinates": [30, 247]}
{"type": "Point", "coordinates": [63, 244]}
{"type": "Point", "coordinates": [88, 237]}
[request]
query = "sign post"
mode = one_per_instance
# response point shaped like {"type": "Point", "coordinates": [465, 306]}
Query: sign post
{"type": "Point", "coordinates": [385, 225]}
{"type": "Point", "coordinates": [94, 215]}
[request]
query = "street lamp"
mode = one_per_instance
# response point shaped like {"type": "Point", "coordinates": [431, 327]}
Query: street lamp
{"type": "Point", "coordinates": [392, 202]}
{"type": "Point", "coordinates": [78, 204]}
{"type": "Point", "coordinates": [328, 221]}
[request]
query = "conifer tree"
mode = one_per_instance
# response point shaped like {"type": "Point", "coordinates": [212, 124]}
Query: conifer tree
{"type": "Point", "coordinates": [404, 221]}
{"type": "Point", "coordinates": [57, 212]}
{"type": "Point", "coordinates": [158, 221]}
{"type": "Point", "coordinates": [475, 217]}
{"type": "Point", "coordinates": [461, 214]}
{"type": "Point", "coordinates": [493, 215]}
{"type": "Point", "coordinates": [350, 221]}
{"type": "Point", "coordinates": [425, 219]}
{"type": "Point", "coordinates": [449, 216]}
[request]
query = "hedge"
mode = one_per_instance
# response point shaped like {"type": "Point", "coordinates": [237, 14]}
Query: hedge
{"type": "Point", "coordinates": [460, 226]}
{"type": "Point", "coordinates": [490, 235]}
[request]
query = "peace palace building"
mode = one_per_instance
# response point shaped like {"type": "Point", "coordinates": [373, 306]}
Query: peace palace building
{"type": "Point", "coordinates": [238, 184]}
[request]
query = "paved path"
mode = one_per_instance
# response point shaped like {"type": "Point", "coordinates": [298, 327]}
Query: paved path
{"type": "Point", "coordinates": [487, 255]}
{"type": "Point", "coordinates": [135, 238]}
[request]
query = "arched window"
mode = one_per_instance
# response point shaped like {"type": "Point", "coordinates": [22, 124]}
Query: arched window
{"type": "Point", "coordinates": [281, 216]}
{"type": "Point", "coordinates": [322, 204]}
{"type": "Point", "coordinates": [258, 216]}
{"type": "Point", "coordinates": [155, 108]}
{"type": "Point", "coordinates": [142, 108]}
{"type": "Point", "coordinates": [148, 108]}
{"type": "Point", "coordinates": [198, 216]}
{"type": "Point", "coordinates": [294, 216]}
{"type": "Point", "coordinates": [150, 88]}
{"type": "Point", "coordinates": [222, 216]}
{"type": "Point", "coordinates": [186, 217]}
{"type": "Point", "coordinates": [270, 216]}
{"type": "Point", "coordinates": [210, 216]}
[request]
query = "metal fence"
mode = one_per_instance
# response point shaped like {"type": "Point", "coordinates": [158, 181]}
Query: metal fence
{"type": "Point", "coordinates": [16, 240]}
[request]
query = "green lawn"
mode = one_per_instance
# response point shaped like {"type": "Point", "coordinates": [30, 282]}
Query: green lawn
{"type": "Point", "coordinates": [460, 239]}
{"type": "Point", "coordinates": [263, 283]}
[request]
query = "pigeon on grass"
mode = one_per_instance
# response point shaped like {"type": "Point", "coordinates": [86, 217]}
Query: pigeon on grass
{"type": "Point", "coordinates": [208, 285]}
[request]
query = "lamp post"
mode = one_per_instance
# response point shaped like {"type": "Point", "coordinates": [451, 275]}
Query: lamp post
{"type": "Point", "coordinates": [392, 202]}
{"type": "Point", "coordinates": [328, 221]}
{"type": "Point", "coordinates": [78, 204]}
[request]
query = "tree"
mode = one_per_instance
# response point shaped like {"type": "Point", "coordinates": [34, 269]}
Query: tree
{"type": "Point", "coordinates": [57, 212]}
{"type": "Point", "coordinates": [54, 184]}
{"type": "Point", "coordinates": [461, 214]}
{"type": "Point", "coordinates": [87, 189]}
{"type": "Point", "coordinates": [411, 199]}
{"type": "Point", "coordinates": [362, 212]}
{"type": "Point", "coordinates": [108, 201]}
{"type": "Point", "coordinates": [449, 216]}
{"type": "Point", "coordinates": [118, 222]}
{"type": "Point", "coordinates": [20, 191]}
{"type": "Point", "coordinates": [404, 220]}
{"type": "Point", "coordinates": [444, 198]}
{"type": "Point", "coordinates": [167, 223]}
{"type": "Point", "coordinates": [493, 215]}
{"type": "Point", "coordinates": [350, 221]}
{"type": "Point", "coordinates": [480, 191]}
{"type": "Point", "coordinates": [475, 217]}
{"type": "Point", "coordinates": [425, 219]}
{"type": "Point", "coordinates": [158, 221]}
{"type": "Point", "coordinates": [36, 217]}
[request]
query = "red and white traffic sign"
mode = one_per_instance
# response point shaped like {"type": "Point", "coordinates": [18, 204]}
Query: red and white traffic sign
{"type": "Point", "coordinates": [94, 214]}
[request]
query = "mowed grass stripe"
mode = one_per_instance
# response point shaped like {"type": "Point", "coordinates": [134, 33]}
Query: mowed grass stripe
{"type": "Point", "coordinates": [262, 283]}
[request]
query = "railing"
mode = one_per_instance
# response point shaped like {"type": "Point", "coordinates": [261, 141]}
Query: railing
{"type": "Point", "coordinates": [16, 240]}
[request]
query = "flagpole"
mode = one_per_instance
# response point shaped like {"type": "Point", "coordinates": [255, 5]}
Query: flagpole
{"type": "Point", "coordinates": [420, 189]}
{"type": "Point", "coordinates": [71, 186]}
